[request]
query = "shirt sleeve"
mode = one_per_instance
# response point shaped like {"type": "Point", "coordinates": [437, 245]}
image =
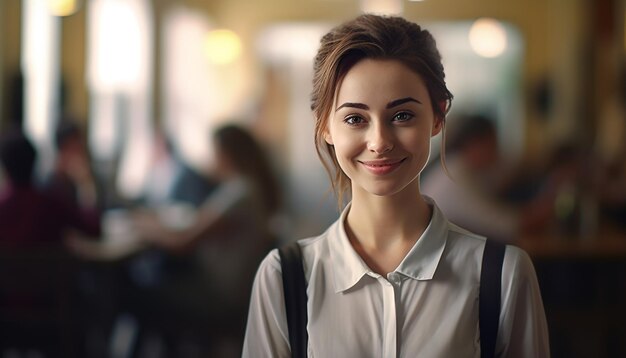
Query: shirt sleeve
{"type": "Point", "coordinates": [523, 327]}
{"type": "Point", "coordinates": [266, 331]}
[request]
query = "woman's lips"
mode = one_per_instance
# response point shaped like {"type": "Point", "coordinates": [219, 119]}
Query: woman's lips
{"type": "Point", "coordinates": [382, 167]}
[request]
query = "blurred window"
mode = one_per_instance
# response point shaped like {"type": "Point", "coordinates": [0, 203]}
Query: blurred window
{"type": "Point", "coordinates": [206, 82]}
{"type": "Point", "coordinates": [190, 94]}
{"type": "Point", "coordinates": [119, 76]}
{"type": "Point", "coordinates": [40, 66]}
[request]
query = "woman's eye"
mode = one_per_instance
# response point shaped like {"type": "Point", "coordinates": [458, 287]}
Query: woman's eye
{"type": "Point", "coordinates": [353, 120]}
{"type": "Point", "coordinates": [402, 117]}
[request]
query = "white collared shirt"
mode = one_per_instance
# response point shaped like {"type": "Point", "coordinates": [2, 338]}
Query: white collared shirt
{"type": "Point", "coordinates": [427, 307]}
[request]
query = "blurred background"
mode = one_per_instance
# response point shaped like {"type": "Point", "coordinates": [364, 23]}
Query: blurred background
{"type": "Point", "coordinates": [189, 123]}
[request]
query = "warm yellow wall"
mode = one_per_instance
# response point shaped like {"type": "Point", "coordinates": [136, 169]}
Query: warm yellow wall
{"type": "Point", "coordinates": [2, 5]}
{"type": "Point", "coordinates": [73, 63]}
{"type": "Point", "coordinates": [9, 50]}
{"type": "Point", "coordinates": [10, 31]}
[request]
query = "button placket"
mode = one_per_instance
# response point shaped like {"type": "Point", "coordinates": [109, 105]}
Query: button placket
{"type": "Point", "coordinates": [389, 315]}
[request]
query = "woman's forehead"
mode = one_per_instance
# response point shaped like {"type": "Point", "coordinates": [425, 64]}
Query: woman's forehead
{"type": "Point", "coordinates": [384, 80]}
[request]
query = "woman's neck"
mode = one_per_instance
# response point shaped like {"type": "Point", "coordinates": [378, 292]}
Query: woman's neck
{"type": "Point", "coordinates": [382, 223]}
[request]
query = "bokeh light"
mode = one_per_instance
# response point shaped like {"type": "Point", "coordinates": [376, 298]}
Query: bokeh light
{"type": "Point", "coordinates": [222, 46]}
{"type": "Point", "coordinates": [488, 37]}
{"type": "Point", "coordinates": [63, 7]}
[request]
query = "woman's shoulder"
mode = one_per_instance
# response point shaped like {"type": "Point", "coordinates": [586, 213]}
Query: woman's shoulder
{"type": "Point", "coordinates": [314, 245]}
{"type": "Point", "coordinates": [470, 240]}
{"type": "Point", "coordinates": [517, 263]}
{"type": "Point", "coordinates": [270, 264]}
{"type": "Point", "coordinates": [465, 243]}
{"type": "Point", "coordinates": [311, 247]}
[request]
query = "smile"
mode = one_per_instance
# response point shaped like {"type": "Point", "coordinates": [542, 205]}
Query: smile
{"type": "Point", "coordinates": [382, 167]}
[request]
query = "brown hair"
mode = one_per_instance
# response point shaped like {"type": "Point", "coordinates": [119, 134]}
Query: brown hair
{"type": "Point", "coordinates": [375, 37]}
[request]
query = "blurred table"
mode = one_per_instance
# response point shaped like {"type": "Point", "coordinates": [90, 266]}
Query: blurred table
{"type": "Point", "coordinates": [119, 239]}
{"type": "Point", "coordinates": [122, 231]}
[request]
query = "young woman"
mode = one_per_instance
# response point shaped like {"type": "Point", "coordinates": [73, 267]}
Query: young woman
{"type": "Point", "coordinates": [392, 277]}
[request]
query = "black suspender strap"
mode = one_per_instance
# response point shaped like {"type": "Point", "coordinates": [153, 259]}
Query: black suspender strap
{"type": "Point", "coordinates": [489, 299]}
{"type": "Point", "coordinates": [294, 287]}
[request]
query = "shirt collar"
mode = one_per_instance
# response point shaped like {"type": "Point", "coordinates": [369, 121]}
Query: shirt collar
{"type": "Point", "coordinates": [422, 260]}
{"type": "Point", "coordinates": [348, 266]}
{"type": "Point", "coordinates": [419, 264]}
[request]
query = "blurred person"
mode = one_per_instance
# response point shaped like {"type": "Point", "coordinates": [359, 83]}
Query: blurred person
{"type": "Point", "coordinates": [71, 179]}
{"type": "Point", "coordinates": [237, 214]}
{"type": "Point", "coordinates": [173, 179]}
{"type": "Point", "coordinates": [190, 185]}
{"type": "Point", "coordinates": [226, 238]}
{"type": "Point", "coordinates": [33, 227]}
{"type": "Point", "coordinates": [468, 192]}
{"type": "Point", "coordinates": [29, 216]}
{"type": "Point", "coordinates": [164, 167]}
{"type": "Point", "coordinates": [392, 276]}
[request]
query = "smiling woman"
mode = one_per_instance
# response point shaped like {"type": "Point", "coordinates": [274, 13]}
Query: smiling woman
{"type": "Point", "coordinates": [392, 266]}
{"type": "Point", "coordinates": [382, 127]}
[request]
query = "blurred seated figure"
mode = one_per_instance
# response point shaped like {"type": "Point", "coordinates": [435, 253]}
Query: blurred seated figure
{"type": "Point", "coordinates": [225, 239]}
{"type": "Point", "coordinates": [468, 194]}
{"type": "Point", "coordinates": [29, 216]}
{"type": "Point", "coordinates": [173, 179]}
{"type": "Point", "coordinates": [190, 186]}
{"type": "Point", "coordinates": [37, 272]}
{"type": "Point", "coordinates": [71, 179]}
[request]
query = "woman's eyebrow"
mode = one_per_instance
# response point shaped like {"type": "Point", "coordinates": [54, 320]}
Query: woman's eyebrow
{"type": "Point", "coordinates": [391, 104]}
{"type": "Point", "coordinates": [400, 101]}
{"type": "Point", "coordinates": [353, 105]}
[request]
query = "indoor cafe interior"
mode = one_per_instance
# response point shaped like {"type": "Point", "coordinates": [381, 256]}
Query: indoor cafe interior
{"type": "Point", "coordinates": [174, 142]}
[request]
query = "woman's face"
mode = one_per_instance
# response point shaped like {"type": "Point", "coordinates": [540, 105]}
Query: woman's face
{"type": "Point", "coordinates": [380, 126]}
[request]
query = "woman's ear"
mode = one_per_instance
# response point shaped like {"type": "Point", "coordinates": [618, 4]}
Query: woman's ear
{"type": "Point", "coordinates": [437, 126]}
{"type": "Point", "coordinates": [440, 121]}
{"type": "Point", "coordinates": [328, 138]}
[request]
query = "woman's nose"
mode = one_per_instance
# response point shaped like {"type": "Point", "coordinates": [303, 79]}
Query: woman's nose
{"type": "Point", "coordinates": [380, 139]}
